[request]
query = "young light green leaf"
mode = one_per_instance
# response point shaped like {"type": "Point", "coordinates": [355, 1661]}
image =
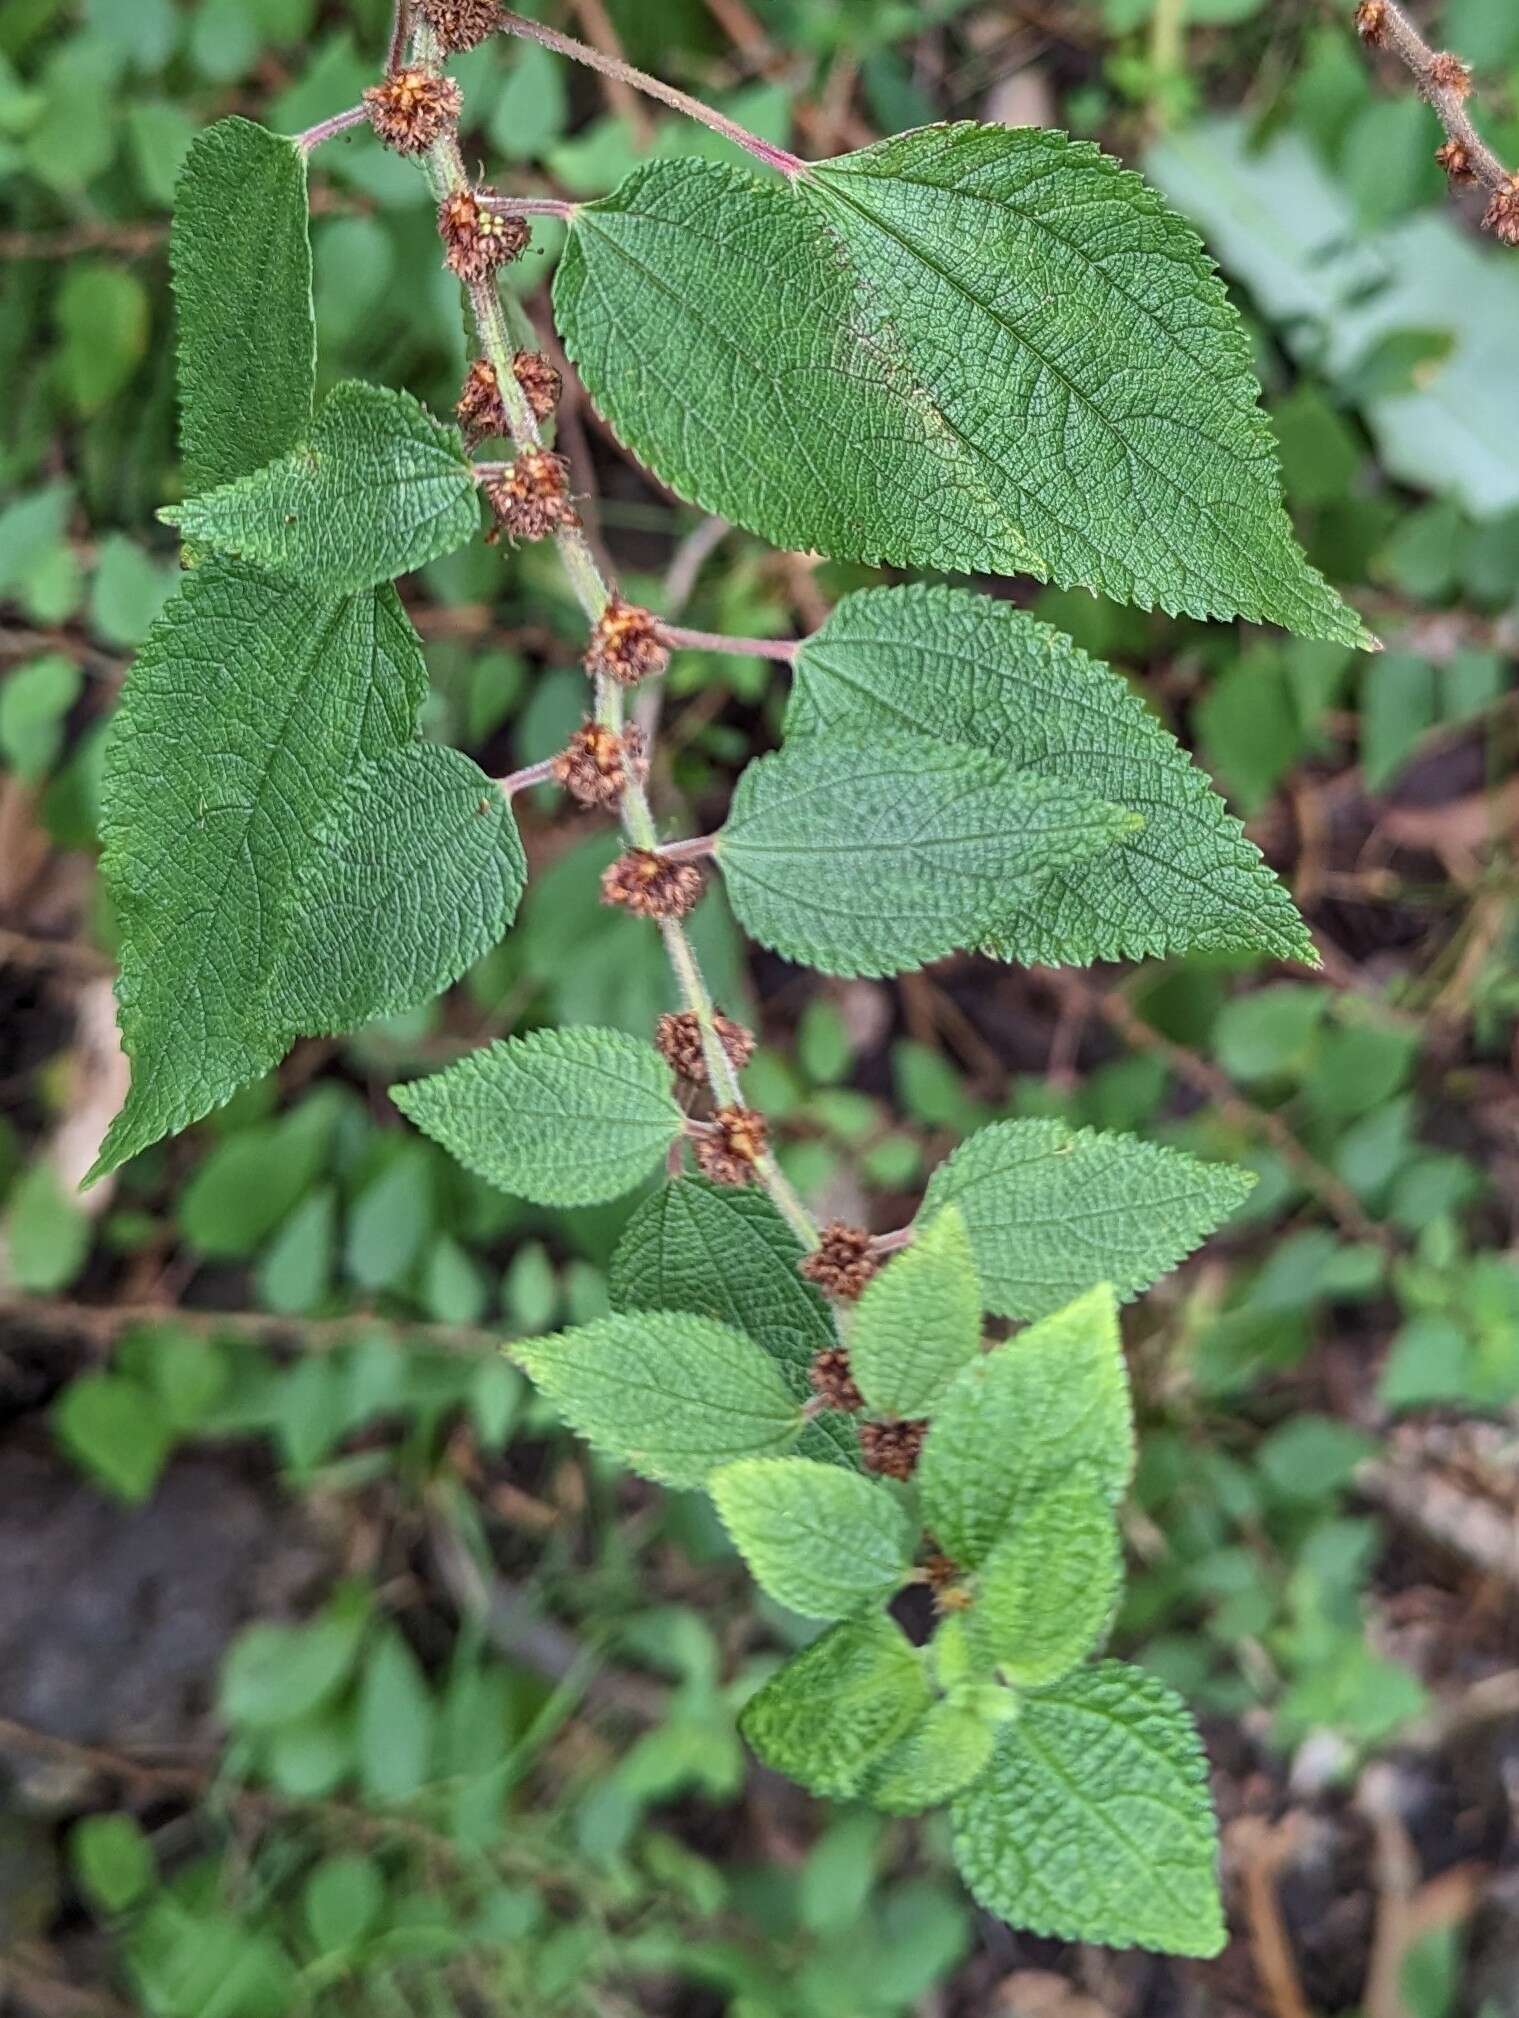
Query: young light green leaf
{"type": "Point", "coordinates": [1016, 1420]}
{"type": "Point", "coordinates": [1050, 1211]}
{"type": "Point", "coordinates": [377, 489]}
{"type": "Point", "coordinates": [563, 1117]}
{"type": "Point", "coordinates": [919, 1321]}
{"type": "Point", "coordinates": [836, 1707]}
{"type": "Point", "coordinates": [825, 1542]}
{"type": "Point", "coordinates": [667, 1394]}
{"type": "Point", "coordinates": [873, 855]}
{"type": "Point", "coordinates": [247, 708]}
{"type": "Point", "coordinates": [726, 1252]}
{"type": "Point", "coordinates": [1093, 1821]}
{"type": "Point", "coordinates": [946, 1749]}
{"type": "Point", "coordinates": [965, 668]}
{"type": "Point", "coordinates": [241, 257]}
{"type": "Point", "coordinates": [1013, 357]}
{"type": "Point", "coordinates": [413, 876]}
{"type": "Point", "coordinates": [1046, 1594]}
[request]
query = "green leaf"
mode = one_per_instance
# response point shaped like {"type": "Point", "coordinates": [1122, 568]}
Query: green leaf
{"type": "Point", "coordinates": [1047, 1592]}
{"type": "Point", "coordinates": [919, 1321]}
{"type": "Point", "coordinates": [112, 1860]}
{"type": "Point", "coordinates": [668, 1394]}
{"type": "Point", "coordinates": [1018, 1419]}
{"type": "Point", "coordinates": [836, 1707]}
{"type": "Point", "coordinates": [724, 1252]}
{"type": "Point", "coordinates": [942, 1754]}
{"type": "Point", "coordinates": [871, 855]}
{"type": "Point", "coordinates": [247, 709]}
{"type": "Point", "coordinates": [966, 668]}
{"type": "Point", "coordinates": [342, 1901]}
{"type": "Point", "coordinates": [1050, 1211]}
{"type": "Point", "coordinates": [825, 1542]}
{"type": "Point", "coordinates": [1093, 1822]}
{"type": "Point", "coordinates": [414, 875]}
{"type": "Point", "coordinates": [115, 1429]}
{"type": "Point", "coordinates": [395, 1722]}
{"type": "Point", "coordinates": [378, 488]}
{"type": "Point", "coordinates": [278, 1674]}
{"type": "Point", "coordinates": [45, 1235]}
{"type": "Point", "coordinates": [1011, 357]}
{"type": "Point", "coordinates": [242, 285]}
{"type": "Point", "coordinates": [563, 1117]}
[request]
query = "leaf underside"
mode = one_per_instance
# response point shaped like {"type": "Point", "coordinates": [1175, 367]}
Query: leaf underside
{"type": "Point", "coordinates": [1013, 357]}
{"type": "Point", "coordinates": [966, 668]}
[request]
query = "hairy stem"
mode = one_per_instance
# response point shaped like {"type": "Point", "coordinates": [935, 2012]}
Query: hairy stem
{"type": "Point", "coordinates": [494, 317]}
{"type": "Point", "coordinates": [653, 87]}
{"type": "Point", "coordinates": [329, 129]}
{"type": "Point", "coordinates": [700, 848]}
{"type": "Point", "coordinates": [541, 773]}
{"type": "Point", "coordinates": [400, 35]}
{"type": "Point", "coordinates": [529, 206]}
{"type": "Point", "coordinates": [784, 649]}
{"type": "Point", "coordinates": [1384, 25]}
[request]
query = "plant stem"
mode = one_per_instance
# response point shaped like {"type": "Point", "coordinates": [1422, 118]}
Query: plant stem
{"type": "Point", "coordinates": [700, 848]}
{"type": "Point", "coordinates": [652, 87]}
{"type": "Point", "coordinates": [529, 206]}
{"type": "Point", "coordinates": [783, 649]}
{"type": "Point", "coordinates": [329, 129]}
{"type": "Point", "coordinates": [541, 773]}
{"type": "Point", "coordinates": [1396, 32]}
{"type": "Point", "coordinates": [493, 317]}
{"type": "Point", "coordinates": [400, 34]}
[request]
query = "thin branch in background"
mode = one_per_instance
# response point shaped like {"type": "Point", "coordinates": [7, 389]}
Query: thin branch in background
{"type": "Point", "coordinates": [1445, 83]}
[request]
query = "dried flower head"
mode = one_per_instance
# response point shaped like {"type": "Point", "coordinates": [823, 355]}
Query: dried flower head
{"type": "Point", "coordinates": [942, 1575]}
{"type": "Point", "coordinates": [650, 887]}
{"type": "Point", "coordinates": [413, 108]}
{"type": "Point", "coordinates": [596, 763]}
{"type": "Point", "coordinates": [461, 24]}
{"type": "Point", "coordinates": [481, 411]}
{"type": "Point", "coordinates": [678, 1038]}
{"type": "Point", "coordinates": [1501, 217]}
{"type": "Point", "coordinates": [476, 239]}
{"type": "Point", "coordinates": [731, 1144]}
{"type": "Point", "coordinates": [1371, 20]}
{"type": "Point", "coordinates": [532, 499]}
{"type": "Point", "coordinates": [626, 644]}
{"type": "Point", "coordinates": [842, 1263]}
{"type": "Point", "coordinates": [539, 381]}
{"type": "Point", "coordinates": [832, 1381]}
{"type": "Point", "coordinates": [1449, 73]}
{"type": "Point", "coordinates": [1456, 161]}
{"type": "Point", "coordinates": [892, 1448]}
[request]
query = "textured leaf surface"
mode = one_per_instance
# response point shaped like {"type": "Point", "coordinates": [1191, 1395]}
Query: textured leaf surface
{"type": "Point", "coordinates": [1017, 1420]}
{"type": "Point", "coordinates": [942, 1754]}
{"type": "Point", "coordinates": [1046, 1594]}
{"type": "Point", "coordinates": [1093, 1821]}
{"type": "Point", "coordinates": [248, 706]}
{"type": "Point", "coordinates": [668, 1394]}
{"type": "Point", "coordinates": [378, 488]}
{"type": "Point", "coordinates": [1013, 357]}
{"type": "Point", "coordinates": [873, 855]}
{"type": "Point", "coordinates": [1050, 1210]}
{"type": "Point", "coordinates": [563, 1117]}
{"type": "Point", "coordinates": [919, 1321]}
{"type": "Point", "coordinates": [242, 286]}
{"type": "Point", "coordinates": [727, 1253]}
{"type": "Point", "coordinates": [415, 874]}
{"type": "Point", "coordinates": [836, 1707]}
{"type": "Point", "coordinates": [966, 668]}
{"type": "Point", "coordinates": [825, 1542]}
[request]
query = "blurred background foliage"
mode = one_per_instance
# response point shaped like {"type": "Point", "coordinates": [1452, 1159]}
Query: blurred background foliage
{"type": "Point", "coordinates": [333, 1676]}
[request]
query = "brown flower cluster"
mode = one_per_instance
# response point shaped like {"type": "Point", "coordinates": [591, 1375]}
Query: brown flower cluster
{"type": "Point", "coordinates": [891, 1449]}
{"type": "Point", "coordinates": [626, 644]}
{"type": "Point", "coordinates": [532, 499]}
{"type": "Point", "coordinates": [1456, 161]}
{"type": "Point", "coordinates": [1449, 73]}
{"type": "Point", "coordinates": [731, 1145]}
{"type": "Point", "coordinates": [842, 1262]}
{"type": "Point", "coordinates": [1501, 217]}
{"type": "Point", "coordinates": [650, 887]}
{"type": "Point", "coordinates": [677, 1036]}
{"type": "Point", "coordinates": [461, 24]}
{"type": "Point", "coordinates": [832, 1380]}
{"type": "Point", "coordinates": [1371, 20]}
{"type": "Point", "coordinates": [476, 239]}
{"type": "Point", "coordinates": [481, 412]}
{"type": "Point", "coordinates": [412, 109]}
{"type": "Point", "coordinates": [596, 763]}
{"type": "Point", "coordinates": [539, 380]}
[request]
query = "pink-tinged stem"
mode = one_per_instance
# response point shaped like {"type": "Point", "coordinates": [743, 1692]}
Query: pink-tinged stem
{"type": "Point", "coordinates": [528, 206]}
{"type": "Point", "coordinates": [532, 774]}
{"type": "Point", "coordinates": [784, 649]}
{"type": "Point", "coordinates": [698, 849]}
{"type": "Point", "coordinates": [329, 129]}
